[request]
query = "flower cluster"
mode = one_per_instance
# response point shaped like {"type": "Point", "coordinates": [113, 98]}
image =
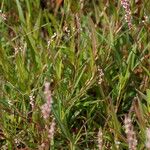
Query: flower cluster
{"type": "Point", "coordinates": [126, 6]}
{"type": "Point", "coordinates": [100, 139]}
{"type": "Point", "coordinates": [148, 138]}
{"type": "Point", "coordinates": [131, 136]}
{"type": "Point", "coordinates": [32, 101]}
{"type": "Point", "coordinates": [100, 75]}
{"type": "Point", "coordinates": [46, 108]}
{"type": "Point", "coordinates": [51, 130]}
{"type": "Point", "coordinates": [3, 15]}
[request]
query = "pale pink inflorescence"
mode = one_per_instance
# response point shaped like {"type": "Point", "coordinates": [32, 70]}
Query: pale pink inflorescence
{"type": "Point", "coordinates": [148, 138]}
{"type": "Point", "coordinates": [131, 136]}
{"type": "Point", "coordinates": [46, 108]}
{"type": "Point", "coordinates": [126, 6]}
{"type": "Point", "coordinates": [51, 130]}
{"type": "Point", "coordinates": [100, 139]}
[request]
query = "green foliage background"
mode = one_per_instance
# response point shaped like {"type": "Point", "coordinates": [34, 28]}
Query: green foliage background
{"type": "Point", "coordinates": [66, 45]}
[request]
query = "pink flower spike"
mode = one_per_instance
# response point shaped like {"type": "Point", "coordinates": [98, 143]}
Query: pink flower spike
{"type": "Point", "coordinates": [126, 5]}
{"type": "Point", "coordinates": [46, 108]}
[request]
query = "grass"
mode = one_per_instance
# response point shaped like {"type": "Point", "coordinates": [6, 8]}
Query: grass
{"type": "Point", "coordinates": [98, 70]}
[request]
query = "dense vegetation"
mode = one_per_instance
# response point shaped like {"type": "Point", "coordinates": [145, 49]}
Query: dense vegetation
{"type": "Point", "coordinates": [74, 75]}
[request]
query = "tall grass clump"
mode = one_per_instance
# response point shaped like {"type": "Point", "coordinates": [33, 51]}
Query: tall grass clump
{"type": "Point", "coordinates": [74, 75]}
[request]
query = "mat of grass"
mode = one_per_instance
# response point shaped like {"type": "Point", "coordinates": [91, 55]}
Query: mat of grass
{"type": "Point", "coordinates": [74, 75]}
